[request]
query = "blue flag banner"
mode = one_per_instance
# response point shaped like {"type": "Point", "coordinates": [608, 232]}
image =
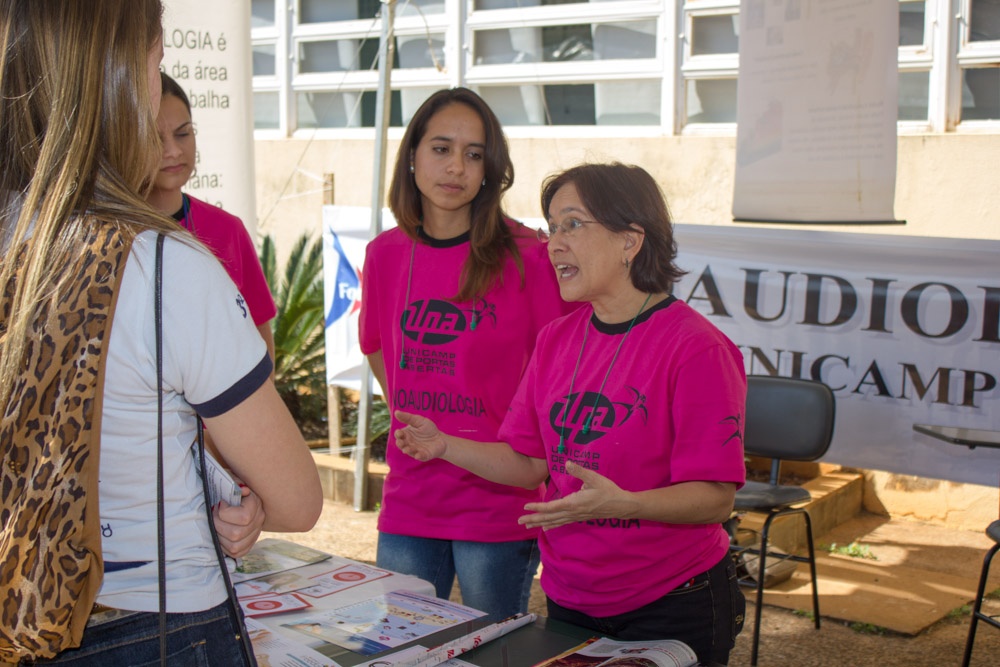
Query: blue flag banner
{"type": "Point", "coordinates": [346, 231]}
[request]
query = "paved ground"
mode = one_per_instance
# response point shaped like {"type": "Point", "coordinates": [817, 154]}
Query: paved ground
{"type": "Point", "coordinates": [789, 638]}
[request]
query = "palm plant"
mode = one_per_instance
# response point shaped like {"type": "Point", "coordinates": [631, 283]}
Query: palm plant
{"type": "Point", "coordinates": [299, 346]}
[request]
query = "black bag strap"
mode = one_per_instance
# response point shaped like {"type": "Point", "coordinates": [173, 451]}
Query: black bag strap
{"type": "Point", "coordinates": [160, 522]}
{"type": "Point", "coordinates": [234, 605]}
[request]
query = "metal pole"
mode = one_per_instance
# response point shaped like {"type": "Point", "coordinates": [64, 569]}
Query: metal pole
{"type": "Point", "coordinates": [383, 104]}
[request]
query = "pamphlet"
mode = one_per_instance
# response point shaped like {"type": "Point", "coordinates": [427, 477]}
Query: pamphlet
{"type": "Point", "coordinates": [614, 653]}
{"type": "Point", "coordinates": [383, 622]}
{"type": "Point", "coordinates": [411, 653]}
{"type": "Point", "coordinates": [273, 650]}
{"type": "Point", "coordinates": [342, 578]}
{"type": "Point", "coordinates": [221, 485]}
{"type": "Point", "coordinates": [265, 605]}
{"type": "Point", "coordinates": [272, 555]}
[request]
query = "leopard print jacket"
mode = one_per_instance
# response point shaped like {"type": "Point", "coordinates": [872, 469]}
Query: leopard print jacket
{"type": "Point", "coordinates": [50, 543]}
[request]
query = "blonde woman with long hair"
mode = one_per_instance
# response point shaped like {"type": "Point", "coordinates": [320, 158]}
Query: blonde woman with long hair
{"type": "Point", "coordinates": [79, 92]}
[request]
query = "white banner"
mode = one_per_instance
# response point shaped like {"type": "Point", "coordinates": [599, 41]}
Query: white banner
{"type": "Point", "coordinates": [346, 231]}
{"type": "Point", "coordinates": [904, 330]}
{"type": "Point", "coordinates": [207, 51]}
{"type": "Point", "coordinates": [816, 111]}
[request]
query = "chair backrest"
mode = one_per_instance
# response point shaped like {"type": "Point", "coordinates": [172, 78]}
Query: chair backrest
{"type": "Point", "coordinates": [788, 418]}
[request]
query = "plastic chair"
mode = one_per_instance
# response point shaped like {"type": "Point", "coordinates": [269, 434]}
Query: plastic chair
{"type": "Point", "coordinates": [977, 610]}
{"type": "Point", "coordinates": [792, 420]}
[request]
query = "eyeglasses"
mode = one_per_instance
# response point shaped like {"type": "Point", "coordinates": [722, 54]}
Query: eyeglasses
{"type": "Point", "coordinates": [569, 227]}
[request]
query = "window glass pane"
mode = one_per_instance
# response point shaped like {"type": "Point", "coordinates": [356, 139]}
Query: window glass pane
{"type": "Point", "coordinates": [262, 14]}
{"type": "Point", "coordinates": [516, 105]}
{"type": "Point", "coordinates": [612, 103]}
{"type": "Point", "coordinates": [981, 94]}
{"type": "Point", "coordinates": [914, 90]}
{"type": "Point", "coordinates": [323, 109]}
{"type": "Point", "coordinates": [984, 22]}
{"type": "Point", "coordinates": [420, 51]}
{"type": "Point", "coordinates": [635, 39]}
{"type": "Point", "coordinates": [627, 103]}
{"type": "Point", "coordinates": [517, 45]}
{"type": "Point", "coordinates": [711, 100]}
{"type": "Point", "coordinates": [541, 105]}
{"type": "Point", "coordinates": [714, 34]}
{"type": "Point", "coordinates": [570, 105]}
{"type": "Point", "coordinates": [514, 4]}
{"type": "Point", "coordinates": [265, 111]}
{"type": "Point", "coordinates": [362, 54]}
{"type": "Point", "coordinates": [410, 100]}
{"type": "Point", "coordinates": [417, 7]}
{"type": "Point", "coordinates": [263, 60]}
{"type": "Point", "coordinates": [318, 11]}
{"type": "Point", "coordinates": [911, 23]}
{"type": "Point", "coordinates": [329, 56]}
{"type": "Point", "coordinates": [606, 41]}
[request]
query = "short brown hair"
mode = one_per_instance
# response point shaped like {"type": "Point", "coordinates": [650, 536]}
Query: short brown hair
{"type": "Point", "coordinates": [620, 196]}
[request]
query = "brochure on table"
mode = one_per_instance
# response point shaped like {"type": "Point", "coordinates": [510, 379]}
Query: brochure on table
{"type": "Point", "coordinates": [281, 583]}
{"type": "Point", "coordinates": [614, 653]}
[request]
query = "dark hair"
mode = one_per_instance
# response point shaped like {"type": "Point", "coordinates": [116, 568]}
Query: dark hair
{"type": "Point", "coordinates": [171, 87]}
{"type": "Point", "coordinates": [490, 236]}
{"type": "Point", "coordinates": [620, 196]}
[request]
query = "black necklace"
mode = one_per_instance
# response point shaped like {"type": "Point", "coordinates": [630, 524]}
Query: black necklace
{"type": "Point", "coordinates": [590, 417]}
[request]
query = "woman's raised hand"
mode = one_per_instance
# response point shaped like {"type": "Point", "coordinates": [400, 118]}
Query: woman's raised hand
{"type": "Point", "coordinates": [420, 438]}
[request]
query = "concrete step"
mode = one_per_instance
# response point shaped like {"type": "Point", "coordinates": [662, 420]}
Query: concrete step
{"type": "Point", "coordinates": [337, 475]}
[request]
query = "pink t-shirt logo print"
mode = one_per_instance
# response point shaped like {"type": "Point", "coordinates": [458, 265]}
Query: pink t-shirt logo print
{"type": "Point", "coordinates": [585, 417]}
{"type": "Point", "coordinates": [433, 322]}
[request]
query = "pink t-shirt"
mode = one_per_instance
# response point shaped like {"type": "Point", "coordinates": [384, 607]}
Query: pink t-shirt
{"type": "Point", "coordinates": [461, 377]}
{"type": "Point", "coordinates": [227, 238]}
{"type": "Point", "coordinates": [671, 411]}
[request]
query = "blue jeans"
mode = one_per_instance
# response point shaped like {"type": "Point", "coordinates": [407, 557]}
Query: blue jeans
{"type": "Point", "coordinates": [196, 639]}
{"type": "Point", "coordinates": [705, 613]}
{"type": "Point", "coordinates": [494, 577]}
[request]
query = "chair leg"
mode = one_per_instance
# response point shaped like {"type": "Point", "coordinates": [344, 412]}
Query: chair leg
{"type": "Point", "coordinates": [762, 561]}
{"type": "Point", "coordinates": [978, 605]}
{"type": "Point", "coordinates": [812, 566]}
{"type": "Point", "coordinates": [759, 606]}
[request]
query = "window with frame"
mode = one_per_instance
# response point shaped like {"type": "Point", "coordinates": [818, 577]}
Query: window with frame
{"type": "Point", "coordinates": [670, 66]}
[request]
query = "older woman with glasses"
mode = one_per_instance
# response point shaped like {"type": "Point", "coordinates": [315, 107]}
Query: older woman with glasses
{"type": "Point", "coordinates": [633, 410]}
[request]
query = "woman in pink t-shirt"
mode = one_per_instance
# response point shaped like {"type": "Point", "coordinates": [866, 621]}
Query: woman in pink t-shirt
{"type": "Point", "coordinates": [222, 232]}
{"type": "Point", "coordinates": [227, 238]}
{"type": "Point", "coordinates": [633, 410]}
{"type": "Point", "coordinates": [452, 301]}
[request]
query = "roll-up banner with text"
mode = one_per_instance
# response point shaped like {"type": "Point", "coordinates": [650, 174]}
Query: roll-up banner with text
{"type": "Point", "coordinates": [207, 51]}
{"type": "Point", "coordinates": [904, 330]}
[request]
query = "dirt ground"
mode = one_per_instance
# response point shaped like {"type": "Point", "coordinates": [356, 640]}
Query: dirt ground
{"type": "Point", "coordinates": [787, 639]}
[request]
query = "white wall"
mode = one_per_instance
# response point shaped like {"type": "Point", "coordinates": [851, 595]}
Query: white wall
{"type": "Point", "coordinates": [946, 185]}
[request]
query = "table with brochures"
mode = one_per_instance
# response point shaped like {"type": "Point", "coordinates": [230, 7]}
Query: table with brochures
{"type": "Point", "coordinates": [307, 608]}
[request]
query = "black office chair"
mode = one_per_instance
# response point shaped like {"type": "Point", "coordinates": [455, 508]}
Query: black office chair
{"type": "Point", "coordinates": [792, 420]}
{"type": "Point", "coordinates": [977, 610]}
